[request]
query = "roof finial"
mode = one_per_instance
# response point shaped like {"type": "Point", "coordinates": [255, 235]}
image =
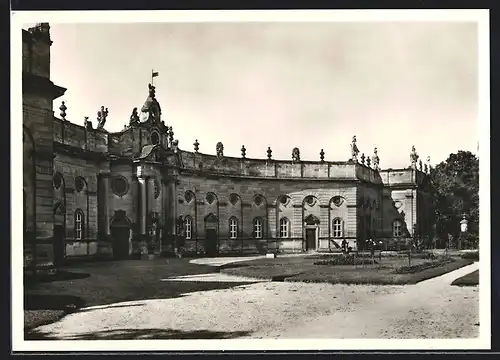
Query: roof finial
{"type": "Point", "coordinates": [196, 146]}
{"type": "Point", "coordinates": [63, 109]}
{"type": "Point", "coordinates": [322, 156]}
{"type": "Point", "coordinates": [295, 154]}
{"type": "Point", "coordinates": [269, 153]}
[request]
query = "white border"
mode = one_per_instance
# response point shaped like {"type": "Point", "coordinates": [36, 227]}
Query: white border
{"type": "Point", "coordinates": [479, 16]}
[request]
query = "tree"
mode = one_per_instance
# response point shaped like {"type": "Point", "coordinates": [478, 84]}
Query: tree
{"type": "Point", "coordinates": [455, 186]}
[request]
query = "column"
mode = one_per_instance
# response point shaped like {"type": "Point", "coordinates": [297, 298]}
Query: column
{"type": "Point", "coordinates": [142, 205]}
{"type": "Point", "coordinates": [150, 190]}
{"type": "Point", "coordinates": [174, 205]}
{"type": "Point", "coordinates": [104, 201]}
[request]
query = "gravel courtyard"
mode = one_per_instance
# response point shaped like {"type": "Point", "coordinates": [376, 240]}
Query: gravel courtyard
{"type": "Point", "coordinates": [263, 309]}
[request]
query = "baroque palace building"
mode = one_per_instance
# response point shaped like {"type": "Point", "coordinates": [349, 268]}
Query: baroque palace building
{"type": "Point", "coordinates": [93, 193]}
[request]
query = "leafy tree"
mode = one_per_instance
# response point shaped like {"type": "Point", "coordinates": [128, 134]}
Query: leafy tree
{"type": "Point", "coordinates": [455, 186]}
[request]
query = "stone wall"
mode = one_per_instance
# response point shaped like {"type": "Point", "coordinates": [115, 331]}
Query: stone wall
{"type": "Point", "coordinates": [73, 170]}
{"type": "Point", "coordinates": [38, 93]}
{"type": "Point", "coordinates": [276, 199]}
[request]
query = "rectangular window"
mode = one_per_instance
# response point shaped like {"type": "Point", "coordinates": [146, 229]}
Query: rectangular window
{"type": "Point", "coordinates": [233, 229]}
{"type": "Point", "coordinates": [337, 228]}
{"type": "Point", "coordinates": [187, 227]}
{"type": "Point", "coordinates": [258, 229]}
{"type": "Point", "coordinates": [78, 226]}
{"type": "Point", "coordinates": [397, 229]}
{"type": "Point", "coordinates": [284, 228]}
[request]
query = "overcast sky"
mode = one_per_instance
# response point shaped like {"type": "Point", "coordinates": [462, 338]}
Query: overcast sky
{"type": "Point", "coordinates": [310, 85]}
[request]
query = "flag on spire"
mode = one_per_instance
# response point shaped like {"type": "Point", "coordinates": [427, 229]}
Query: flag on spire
{"type": "Point", "coordinates": [155, 73]}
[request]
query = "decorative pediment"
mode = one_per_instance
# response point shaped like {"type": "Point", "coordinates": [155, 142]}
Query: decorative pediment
{"type": "Point", "coordinates": [311, 220]}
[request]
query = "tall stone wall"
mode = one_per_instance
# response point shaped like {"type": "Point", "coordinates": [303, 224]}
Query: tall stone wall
{"type": "Point", "coordinates": [270, 200]}
{"type": "Point", "coordinates": [38, 93]}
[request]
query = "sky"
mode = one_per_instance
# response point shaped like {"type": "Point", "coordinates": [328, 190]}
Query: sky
{"type": "Point", "coordinates": [283, 85]}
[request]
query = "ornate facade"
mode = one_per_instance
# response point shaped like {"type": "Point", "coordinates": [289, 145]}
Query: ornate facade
{"type": "Point", "coordinates": [89, 192]}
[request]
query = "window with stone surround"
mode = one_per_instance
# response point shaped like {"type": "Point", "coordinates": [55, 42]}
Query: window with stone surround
{"type": "Point", "coordinates": [337, 200]}
{"type": "Point", "coordinates": [284, 228]}
{"type": "Point", "coordinates": [188, 227]}
{"type": "Point", "coordinates": [211, 198]}
{"type": "Point", "coordinates": [233, 228]}
{"type": "Point", "coordinates": [397, 228]}
{"type": "Point", "coordinates": [234, 198]}
{"type": "Point", "coordinates": [337, 228]}
{"type": "Point", "coordinates": [188, 196]}
{"type": "Point", "coordinates": [79, 183]}
{"type": "Point", "coordinates": [258, 199]}
{"type": "Point", "coordinates": [57, 180]}
{"type": "Point", "coordinates": [257, 228]}
{"type": "Point", "coordinates": [79, 224]}
{"type": "Point", "coordinates": [120, 185]}
{"type": "Point", "coordinates": [155, 138]}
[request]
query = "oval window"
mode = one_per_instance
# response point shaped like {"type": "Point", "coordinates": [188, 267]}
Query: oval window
{"type": "Point", "coordinates": [120, 185]}
{"type": "Point", "coordinates": [155, 138]}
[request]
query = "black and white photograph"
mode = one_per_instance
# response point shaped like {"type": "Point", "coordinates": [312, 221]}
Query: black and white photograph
{"type": "Point", "coordinates": [285, 180]}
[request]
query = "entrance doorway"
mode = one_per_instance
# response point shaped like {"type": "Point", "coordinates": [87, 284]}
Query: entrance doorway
{"type": "Point", "coordinates": [211, 238]}
{"type": "Point", "coordinates": [120, 232]}
{"type": "Point", "coordinates": [211, 242]}
{"type": "Point", "coordinates": [58, 245]}
{"type": "Point", "coordinates": [310, 239]}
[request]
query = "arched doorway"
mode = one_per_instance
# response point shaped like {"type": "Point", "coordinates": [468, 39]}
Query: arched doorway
{"type": "Point", "coordinates": [120, 232]}
{"type": "Point", "coordinates": [211, 238]}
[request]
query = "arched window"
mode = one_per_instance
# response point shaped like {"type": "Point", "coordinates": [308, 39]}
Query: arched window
{"type": "Point", "coordinates": [233, 228]}
{"type": "Point", "coordinates": [257, 228]}
{"type": "Point", "coordinates": [188, 227]}
{"type": "Point", "coordinates": [284, 231]}
{"type": "Point", "coordinates": [397, 228]}
{"type": "Point", "coordinates": [79, 225]}
{"type": "Point", "coordinates": [155, 138]}
{"type": "Point", "coordinates": [337, 228]}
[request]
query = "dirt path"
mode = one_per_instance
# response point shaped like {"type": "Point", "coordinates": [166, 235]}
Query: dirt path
{"type": "Point", "coordinates": [430, 309]}
{"type": "Point", "coordinates": [433, 308]}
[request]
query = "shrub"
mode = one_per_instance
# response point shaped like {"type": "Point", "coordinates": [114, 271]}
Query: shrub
{"type": "Point", "coordinates": [473, 255]}
{"type": "Point", "coordinates": [345, 260]}
{"type": "Point", "coordinates": [423, 266]}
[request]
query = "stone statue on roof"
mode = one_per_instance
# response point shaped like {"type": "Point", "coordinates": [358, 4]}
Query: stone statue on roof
{"type": "Point", "coordinates": [219, 149]}
{"type": "Point", "coordinates": [375, 159]}
{"type": "Point", "coordinates": [413, 157]}
{"type": "Point", "coordinates": [354, 149]}
{"type": "Point", "coordinates": [134, 117]}
{"type": "Point", "coordinates": [101, 117]}
{"type": "Point", "coordinates": [151, 105]}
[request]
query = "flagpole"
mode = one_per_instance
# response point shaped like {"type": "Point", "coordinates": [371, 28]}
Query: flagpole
{"type": "Point", "coordinates": [152, 77]}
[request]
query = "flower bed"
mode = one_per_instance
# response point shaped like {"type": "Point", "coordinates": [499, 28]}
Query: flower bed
{"type": "Point", "coordinates": [424, 266]}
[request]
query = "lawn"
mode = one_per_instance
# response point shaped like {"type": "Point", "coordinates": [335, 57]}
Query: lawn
{"type": "Point", "coordinates": [471, 279]}
{"type": "Point", "coordinates": [387, 271]}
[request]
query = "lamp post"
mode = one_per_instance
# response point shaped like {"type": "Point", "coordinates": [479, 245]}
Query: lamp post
{"type": "Point", "coordinates": [463, 230]}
